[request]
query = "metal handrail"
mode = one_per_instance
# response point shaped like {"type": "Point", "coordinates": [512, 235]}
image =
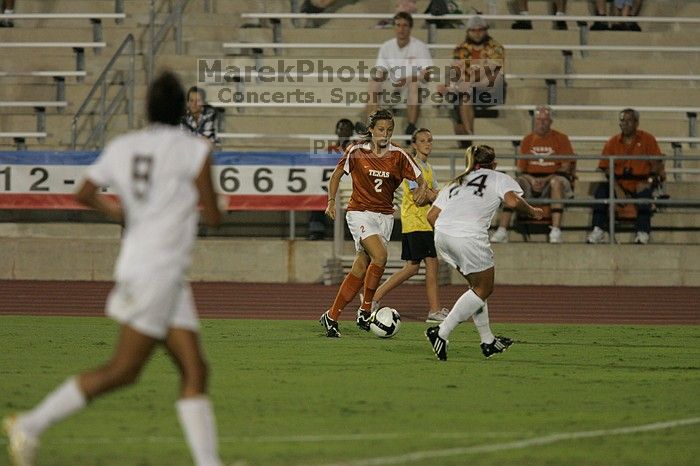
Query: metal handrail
{"type": "Point", "coordinates": [174, 19]}
{"type": "Point", "coordinates": [107, 110]}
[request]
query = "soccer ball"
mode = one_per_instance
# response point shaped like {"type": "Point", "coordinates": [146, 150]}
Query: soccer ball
{"type": "Point", "coordinates": [385, 322]}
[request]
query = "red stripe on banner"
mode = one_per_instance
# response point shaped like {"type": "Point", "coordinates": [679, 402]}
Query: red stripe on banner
{"type": "Point", "coordinates": [40, 201]}
{"type": "Point", "coordinates": [278, 202]}
{"type": "Point", "coordinates": [243, 202]}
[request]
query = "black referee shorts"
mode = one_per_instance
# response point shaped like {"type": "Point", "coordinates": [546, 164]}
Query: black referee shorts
{"type": "Point", "coordinates": [417, 245]}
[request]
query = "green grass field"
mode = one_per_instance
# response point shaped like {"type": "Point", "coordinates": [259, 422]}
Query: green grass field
{"type": "Point", "coordinates": [284, 394]}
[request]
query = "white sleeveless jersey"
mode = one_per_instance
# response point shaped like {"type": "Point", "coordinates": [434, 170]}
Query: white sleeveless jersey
{"type": "Point", "coordinates": [467, 209]}
{"type": "Point", "coordinates": [153, 171]}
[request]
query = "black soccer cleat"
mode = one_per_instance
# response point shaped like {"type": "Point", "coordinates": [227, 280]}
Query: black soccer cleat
{"type": "Point", "coordinates": [438, 344]}
{"type": "Point", "coordinates": [330, 325]}
{"type": "Point", "coordinates": [363, 318]}
{"type": "Point", "coordinates": [498, 345]}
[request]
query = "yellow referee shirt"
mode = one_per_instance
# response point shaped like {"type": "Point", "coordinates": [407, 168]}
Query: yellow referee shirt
{"type": "Point", "coordinates": [414, 217]}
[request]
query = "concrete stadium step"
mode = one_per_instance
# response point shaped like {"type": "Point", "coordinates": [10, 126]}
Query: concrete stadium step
{"type": "Point", "coordinates": [50, 62]}
{"type": "Point", "coordinates": [446, 55]}
{"type": "Point", "coordinates": [580, 218]}
{"type": "Point", "coordinates": [60, 230]}
{"type": "Point", "coordinates": [198, 24]}
{"type": "Point", "coordinates": [348, 33]}
{"type": "Point", "coordinates": [622, 237]}
{"type": "Point", "coordinates": [78, 6]}
{"type": "Point", "coordinates": [243, 6]}
{"type": "Point", "coordinates": [304, 120]}
{"type": "Point", "coordinates": [26, 34]}
{"type": "Point", "coordinates": [672, 64]}
{"type": "Point", "coordinates": [520, 93]}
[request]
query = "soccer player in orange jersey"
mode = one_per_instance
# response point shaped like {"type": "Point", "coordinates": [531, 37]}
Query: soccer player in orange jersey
{"type": "Point", "coordinates": [377, 168]}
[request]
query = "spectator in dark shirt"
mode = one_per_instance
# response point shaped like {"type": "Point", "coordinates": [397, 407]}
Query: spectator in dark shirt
{"type": "Point", "coordinates": [200, 117]}
{"type": "Point", "coordinates": [318, 222]}
{"type": "Point", "coordinates": [8, 7]}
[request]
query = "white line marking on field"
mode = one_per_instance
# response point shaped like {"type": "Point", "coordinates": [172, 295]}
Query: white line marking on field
{"type": "Point", "coordinates": [281, 438]}
{"type": "Point", "coordinates": [537, 441]}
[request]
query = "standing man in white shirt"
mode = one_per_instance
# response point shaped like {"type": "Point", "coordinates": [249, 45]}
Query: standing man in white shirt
{"type": "Point", "coordinates": [160, 174]}
{"type": "Point", "coordinates": [402, 64]}
{"type": "Point", "coordinates": [461, 215]}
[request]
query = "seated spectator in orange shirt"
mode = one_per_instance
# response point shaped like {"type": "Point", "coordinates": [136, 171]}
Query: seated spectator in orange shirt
{"type": "Point", "coordinates": [633, 178]}
{"type": "Point", "coordinates": [546, 177]}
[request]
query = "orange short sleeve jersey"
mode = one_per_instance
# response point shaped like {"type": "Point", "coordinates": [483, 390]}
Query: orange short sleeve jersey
{"type": "Point", "coordinates": [374, 179]}
{"type": "Point", "coordinates": [642, 144]}
{"type": "Point", "coordinates": [553, 143]}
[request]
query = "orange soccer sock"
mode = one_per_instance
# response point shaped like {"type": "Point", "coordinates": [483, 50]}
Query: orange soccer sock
{"type": "Point", "coordinates": [372, 279]}
{"type": "Point", "coordinates": [347, 292]}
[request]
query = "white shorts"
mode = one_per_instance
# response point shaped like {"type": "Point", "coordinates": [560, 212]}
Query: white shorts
{"type": "Point", "coordinates": [468, 254]}
{"type": "Point", "coordinates": [363, 224]}
{"type": "Point", "coordinates": [153, 305]}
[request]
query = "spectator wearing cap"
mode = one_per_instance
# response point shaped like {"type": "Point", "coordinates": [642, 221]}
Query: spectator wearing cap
{"type": "Point", "coordinates": [478, 51]}
{"type": "Point", "coordinates": [559, 7]}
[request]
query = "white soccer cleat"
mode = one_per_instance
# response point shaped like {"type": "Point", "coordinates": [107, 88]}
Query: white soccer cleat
{"type": "Point", "coordinates": [21, 446]}
{"type": "Point", "coordinates": [500, 236]}
{"type": "Point", "coordinates": [555, 235]}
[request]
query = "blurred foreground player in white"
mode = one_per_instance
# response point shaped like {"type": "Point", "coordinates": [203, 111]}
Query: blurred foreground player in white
{"type": "Point", "coordinates": [461, 215]}
{"type": "Point", "coordinates": [160, 174]}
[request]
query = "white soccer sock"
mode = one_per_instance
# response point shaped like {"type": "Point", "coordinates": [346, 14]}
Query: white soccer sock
{"type": "Point", "coordinates": [464, 308]}
{"type": "Point", "coordinates": [59, 404]}
{"type": "Point", "coordinates": [197, 420]}
{"type": "Point", "coordinates": [481, 320]}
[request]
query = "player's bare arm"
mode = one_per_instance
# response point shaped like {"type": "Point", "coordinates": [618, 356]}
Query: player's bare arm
{"type": "Point", "coordinates": [433, 215]}
{"type": "Point", "coordinates": [518, 204]}
{"type": "Point", "coordinates": [207, 197]}
{"type": "Point", "coordinates": [88, 195]}
{"type": "Point", "coordinates": [333, 185]}
{"type": "Point", "coordinates": [431, 194]}
{"type": "Point", "coordinates": [420, 194]}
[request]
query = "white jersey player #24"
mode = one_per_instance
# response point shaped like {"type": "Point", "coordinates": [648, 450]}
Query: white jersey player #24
{"type": "Point", "coordinates": [467, 208]}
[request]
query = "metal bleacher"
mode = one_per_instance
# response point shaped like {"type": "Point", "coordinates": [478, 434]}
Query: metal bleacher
{"type": "Point", "coordinates": [655, 71]}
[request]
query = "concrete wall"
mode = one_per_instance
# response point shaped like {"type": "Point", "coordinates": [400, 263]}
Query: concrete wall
{"type": "Point", "coordinates": [262, 260]}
